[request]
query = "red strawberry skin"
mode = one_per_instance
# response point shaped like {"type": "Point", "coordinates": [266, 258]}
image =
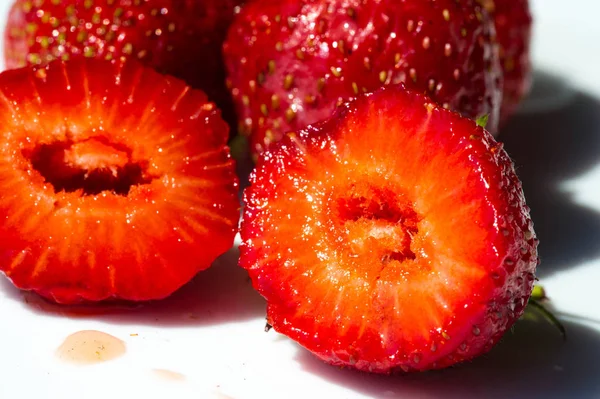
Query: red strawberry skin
{"type": "Point", "coordinates": [181, 38]}
{"type": "Point", "coordinates": [115, 181]}
{"type": "Point", "coordinates": [513, 23]}
{"type": "Point", "coordinates": [290, 62]}
{"type": "Point", "coordinates": [392, 237]}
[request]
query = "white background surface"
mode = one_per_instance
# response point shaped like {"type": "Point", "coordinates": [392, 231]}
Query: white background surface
{"type": "Point", "coordinates": [212, 330]}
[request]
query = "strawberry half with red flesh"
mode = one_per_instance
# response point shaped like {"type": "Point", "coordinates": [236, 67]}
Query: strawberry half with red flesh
{"type": "Point", "coordinates": [115, 181]}
{"type": "Point", "coordinates": [394, 236]}
{"type": "Point", "coordinates": [513, 23]}
{"type": "Point", "coordinates": [290, 62]}
{"type": "Point", "coordinates": [180, 38]}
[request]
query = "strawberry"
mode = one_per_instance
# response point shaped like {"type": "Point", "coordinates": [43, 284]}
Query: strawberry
{"type": "Point", "coordinates": [115, 181]}
{"type": "Point", "coordinates": [181, 38]}
{"type": "Point", "coordinates": [514, 28]}
{"type": "Point", "coordinates": [290, 62]}
{"type": "Point", "coordinates": [394, 236]}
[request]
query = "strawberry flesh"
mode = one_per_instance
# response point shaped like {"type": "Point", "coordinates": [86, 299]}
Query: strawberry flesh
{"type": "Point", "coordinates": [115, 181]}
{"type": "Point", "coordinates": [394, 236]}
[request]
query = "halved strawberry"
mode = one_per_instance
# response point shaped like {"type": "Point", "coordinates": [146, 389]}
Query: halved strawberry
{"type": "Point", "coordinates": [115, 181]}
{"type": "Point", "coordinates": [394, 236]}
{"type": "Point", "coordinates": [290, 62]}
{"type": "Point", "coordinates": [180, 38]}
{"type": "Point", "coordinates": [513, 23]}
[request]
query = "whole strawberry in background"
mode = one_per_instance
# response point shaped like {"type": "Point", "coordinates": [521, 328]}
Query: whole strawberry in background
{"type": "Point", "coordinates": [513, 29]}
{"type": "Point", "coordinates": [290, 62]}
{"type": "Point", "coordinates": [394, 236]}
{"type": "Point", "coordinates": [180, 37]}
{"type": "Point", "coordinates": [115, 181]}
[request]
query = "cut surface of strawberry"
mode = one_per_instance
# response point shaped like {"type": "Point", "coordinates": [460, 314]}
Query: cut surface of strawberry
{"type": "Point", "coordinates": [394, 236]}
{"type": "Point", "coordinates": [180, 38]}
{"type": "Point", "coordinates": [290, 62]}
{"type": "Point", "coordinates": [115, 181]}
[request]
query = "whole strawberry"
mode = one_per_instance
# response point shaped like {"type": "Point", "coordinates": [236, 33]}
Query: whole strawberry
{"type": "Point", "coordinates": [394, 236]}
{"type": "Point", "coordinates": [290, 62]}
{"type": "Point", "coordinates": [513, 28]}
{"type": "Point", "coordinates": [115, 181]}
{"type": "Point", "coordinates": [180, 37]}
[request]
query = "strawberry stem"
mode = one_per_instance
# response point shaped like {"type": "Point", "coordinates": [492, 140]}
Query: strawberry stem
{"type": "Point", "coordinates": [537, 296]}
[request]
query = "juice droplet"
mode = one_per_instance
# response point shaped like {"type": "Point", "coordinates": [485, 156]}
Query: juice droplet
{"type": "Point", "coordinates": [169, 375]}
{"type": "Point", "coordinates": [90, 347]}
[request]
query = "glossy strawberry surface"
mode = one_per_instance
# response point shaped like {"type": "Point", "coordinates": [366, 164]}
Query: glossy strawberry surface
{"type": "Point", "coordinates": [290, 62]}
{"type": "Point", "coordinates": [392, 237]}
{"type": "Point", "coordinates": [513, 23]}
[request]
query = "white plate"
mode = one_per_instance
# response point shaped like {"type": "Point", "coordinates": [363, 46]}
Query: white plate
{"type": "Point", "coordinates": [208, 339]}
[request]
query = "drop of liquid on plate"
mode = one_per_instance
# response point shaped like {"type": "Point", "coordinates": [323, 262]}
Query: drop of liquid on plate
{"type": "Point", "coordinates": [90, 347]}
{"type": "Point", "coordinates": [169, 375]}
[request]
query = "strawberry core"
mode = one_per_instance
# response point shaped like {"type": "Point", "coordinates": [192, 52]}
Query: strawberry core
{"type": "Point", "coordinates": [91, 166]}
{"type": "Point", "coordinates": [94, 154]}
{"type": "Point", "coordinates": [378, 222]}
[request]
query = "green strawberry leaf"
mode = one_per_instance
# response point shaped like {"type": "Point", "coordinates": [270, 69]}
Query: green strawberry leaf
{"type": "Point", "coordinates": [483, 120]}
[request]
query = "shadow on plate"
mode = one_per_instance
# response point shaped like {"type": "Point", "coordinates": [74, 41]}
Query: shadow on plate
{"type": "Point", "coordinates": [222, 294]}
{"type": "Point", "coordinates": [556, 137]}
{"type": "Point", "coordinates": [533, 361]}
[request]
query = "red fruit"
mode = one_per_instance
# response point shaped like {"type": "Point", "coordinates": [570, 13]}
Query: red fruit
{"type": "Point", "coordinates": [180, 38]}
{"type": "Point", "coordinates": [291, 61]}
{"type": "Point", "coordinates": [393, 236]}
{"type": "Point", "coordinates": [115, 181]}
{"type": "Point", "coordinates": [513, 28]}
